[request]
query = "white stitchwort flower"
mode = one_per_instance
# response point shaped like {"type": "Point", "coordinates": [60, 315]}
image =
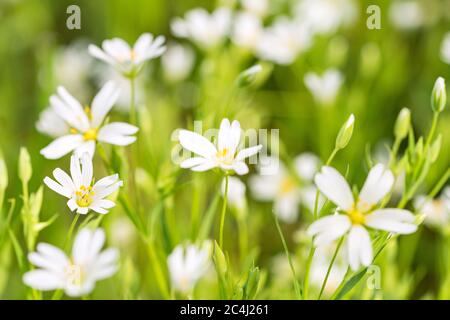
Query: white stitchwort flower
{"type": "Point", "coordinates": [359, 214]}
{"type": "Point", "coordinates": [236, 192]}
{"type": "Point", "coordinates": [283, 41]}
{"type": "Point", "coordinates": [187, 264]}
{"type": "Point", "coordinates": [319, 268]}
{"type": "Point", "coordinates": [445, 48]}
{"type": "Point", "coordinates": [257, 7]}
{"type": "Point", "coordinates": [436, 211]}
{"type": "Point", "coordinates": [83, 195]}
{"type": "Point", "coordinates": [129, 60]}
{"type": "Point", "coordinates": [177, 62]}
{"type": "Point", "coordinates": [78, 274]}
{"type": "Point", "coordinates": [406, 15]}
{"type": "Point", "coordinates": [206, 30]}
{"type": "Point", "coordinates": [225, 155]}
{"type": "Point", "coordinates": [326, 87]}
{"type": "Point", "coordinates": [282, 188]}
{"type": "Point", "coordinates": [86, 124]}
{"type": "Point", "coordinates": [247, 31]}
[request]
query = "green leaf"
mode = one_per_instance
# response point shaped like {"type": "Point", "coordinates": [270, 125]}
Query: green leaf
{"type": "Point", "coordinates": [350, 284]}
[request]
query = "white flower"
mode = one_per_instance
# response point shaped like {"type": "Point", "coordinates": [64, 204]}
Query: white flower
{"type": "Point", "coordinates": [247, 31]}
{"type": "Point", "coordinates": [206, 30]}
{"type": "Point", "coordinates": [83, 195]}
{"type": "Point", "coordinates": [282, 188]}
{"type": "Point", "coordinates": [257, 7]}
{"type": "Point", "coordinates": [177, 62]}
{"type": "Point", "coordinates": [283, 41]}
{"type": "Point", "coordinates": [325, 16]}
{"type": "Point", "coordinates": [225, 155]}
{"type": "Point", "coordinates": [187, 265]}
{"type": "Point", "coordinates": [436, 211]}
{"type": "Point", "coordinates": [326, 87]}
{"type": "Point", "coordinates": [51, 124]}
{"type": "Point", "coordinates": [236, 192]}
{"type": "Point", "coordinates": [445, 48]}
{"type": "Point", "coordinates": [78, 274]}
{"type": "Point", "coordinates": [129, 60]}
{"type": "Point", "coordinates": [406, 15]}
{"type": "Point", "coordinates": [359, 214]}
{"type": "Point", "coordinates": [86, 124]}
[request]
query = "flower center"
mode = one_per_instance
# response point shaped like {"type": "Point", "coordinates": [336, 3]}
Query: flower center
{"type": "Point", "coordinates": [88, 111]}
{"type": "Point", "coordinates": [225, 156]}
{"type": "Point", "coordinates": [74, 274]}
{"type": "Point", "coordinates": [287, 185]}
{"type": "Point", "coordinates": [357, 217]}
{"type": "Point", "coordinates": [90, 134]}
{"type": "Point", "coordinates": [132, 55]}
{"type": "Point", "coordinates": [84, 196]}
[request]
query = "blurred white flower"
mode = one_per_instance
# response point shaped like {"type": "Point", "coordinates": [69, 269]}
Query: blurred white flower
{"type": "Point", "coordinates": [205, 29]}
{"type": "Point", "coordinates": [325, 16]}
{"type": "Point", "coordinates": [187, 264]}
{"type": "Point", "coordinates": [83, 195]}
{"type": "Point", "coordinates": [406, 15]}
{"type": "Point", "coordinates": [177, 62]}
{"type": "Point", "coordinates": [225, 156]}
{"type": "Point", "coordinates": [247, 31]}
{"type": "Point", "coordinates": [358, 214]}
{"type": "Point", "coordinates": [283, 41]}
{"type": "Point", "coordinates": [85, 124]}
{"type": "Point", "coordinates": [71, 68]}
{"type": "Point", "coordinates": [236, 192]}
{"type": "Point", "coordinates": [326, 87]}
{"type": "Point", "coordinates": [257, 7]}
{"type": "Point", "coordinates": [78, 274]}
{"type": "Point", "coordinates": [436, 211]}
{"type": "Point", "coordinates": [129, 60]}
{"type": "Point", "coordinates": [283, 189]}
{"type": "Point", "coordinates": [319, 268]}
{"type": "Point", "coordinates": [445, 48]}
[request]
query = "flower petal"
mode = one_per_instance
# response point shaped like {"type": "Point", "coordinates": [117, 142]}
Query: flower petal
{"type": "Point", "coordinates": [43, 280]}
{"type": "Point", "coordinates": [392, 220]}
{"type": "Point", "coordinates": [86, 170]}
{"type": "Point", "coordinates": [359, 247]}
{"type": "Point", "coordinates": [329, 228]}
{"type": "Point", "coordinates": [196, 143]}
{"type": "Point", "coordinates": [248, 152]}
{"type": "Point", "coordinates": [333, 185]}
{"type": "Point", "coordinates": [240, 168]}
{"type": "Point", "coordinates": [103, 102]}
{"type": "Point", "coordinates": [117, 133]}
{"type": "Point", "coordinates": [62, 146]}
{"type": "Point", "coordinates": [52, 184]}
{"type": "Point", "coordinates": [378, 183]}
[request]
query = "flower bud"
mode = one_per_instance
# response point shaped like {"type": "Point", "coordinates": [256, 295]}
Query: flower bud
{"type": "Point", "coordinates": [25, 169]}
{"type": "Point", "coordinates": [402, 124]}
{"type": "Point", "coordinates": [439, 95]}
{"type": "Point", "coordinates": [435, 149]}
{"type": "Point", "coordinates": [345, 133]}
{"type": "Point", "coordinates": [248, 76]}
{"type": "Point", "coordinates": [3, 179]}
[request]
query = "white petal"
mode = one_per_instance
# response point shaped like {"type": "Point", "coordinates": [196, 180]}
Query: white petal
{"type": "Point", "coordinates": [196, 143]}
{"type": "Point", "coordinates": [42, 280]}
{"type": "Point", "coordinates": [359, 247]}
{"type": "Point", "coordinates": [248, 152]}
{"type": "Point", "coordinates": [240, 168]}
{"type": "Point", "coordinates": [192, 162]}
{"type": "Point", "coordinates": [86, 170]}
{"type": "Point", "coordinates": [75, 171]}
{"type": "Point", "coordinates": [229, 135]}
{"type": "Point", "coordinates": [106, 181]}
{"type": "Point", "coordinates": [52, 252]}
{"type": "Point", "coordinates": [286, 209]}
{"type": "Point", "coordinates": [62, 146]}
{"type": "Point", "coordinates": [72, 204]}
{"type": "Point", "coordinates": [392, 220]}
{"type": "Point", "coordinates": [333, 185]}
{"type": "Point", "coordinates": [75, 107]}
{"type": "Point", "coordinates": [117, 133]}
{"type": "Point", "coordinates": [329, 228]}
{"type": "Point", "coordinates": [86, 147]}
{"type": "Point", "coordinates": [207, 165]}
{"type": "Point", "coordinates": [57, 187]}
{"type": "Point", "coordinates": [378, 183]}
{"type": "Point", "coordinates": [306, 165]}
{"type": "Point", "coordinates": [143, 43]}
{"type": "Point", "coordinates": [98, 53]}
{"type": "Point", "coordinates": [63, 179]}
{"type": "Point", "coordinates": [103, 102]}
{"type": "Point", "coordinates": [101, 192]}
{"type": "Point", "coordinates": [265, 187]}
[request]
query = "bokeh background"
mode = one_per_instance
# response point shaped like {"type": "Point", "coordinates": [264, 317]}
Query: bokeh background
{"type": "Point", "coordinates": [383, 70]}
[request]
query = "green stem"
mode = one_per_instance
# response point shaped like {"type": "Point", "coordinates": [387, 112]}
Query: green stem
{"type": "Point", "coordinates": [71, 229]}
{"type": "Point", "coordinates": [294, 274]}
{"type": "Point", "coordinates": [133, 114]}
{"type": "Point", "coordinates": [224, 210]}
{"type": "Point", "coordinates": [330, 267]}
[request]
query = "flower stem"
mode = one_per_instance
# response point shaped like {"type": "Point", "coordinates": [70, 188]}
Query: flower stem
{"type": "Point", "coordinates": [133, 115]}
{"type": "Point", "coordinates": [224, 210]}
{"type": "Point", "coordinates": [294, 274]}
{"type": "Point", "coordinates": [71, 229]}
{"type": "Point", "coordinates": [329, 267]}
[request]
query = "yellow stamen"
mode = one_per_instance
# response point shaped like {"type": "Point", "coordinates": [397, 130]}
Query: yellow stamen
{"type": "Point", "coordinates": [287, 185]}
{"type": "Point", "coordinates": [356, 216]}
{"type": "Point", "coordinates": [84, 196]}
{"type": "Point", "coordinates": [73, 131]}
{"type": "Point", "coordinates": [132, 54]}
{"type": "Point", "coordinates": [90, 134]}
{"type": "Point", "coordinates": [87, 110]}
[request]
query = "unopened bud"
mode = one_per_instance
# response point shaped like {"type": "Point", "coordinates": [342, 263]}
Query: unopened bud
{"type": "Point", "coordinates": [439, 95]}
{"type": "Point", "coordinates": [402, 124]}
{"type": "Point", "coordinates": [345, 133]}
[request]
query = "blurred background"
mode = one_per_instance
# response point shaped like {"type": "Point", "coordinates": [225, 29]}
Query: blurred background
{"type": "Point", "coordinates": [374, 74]}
